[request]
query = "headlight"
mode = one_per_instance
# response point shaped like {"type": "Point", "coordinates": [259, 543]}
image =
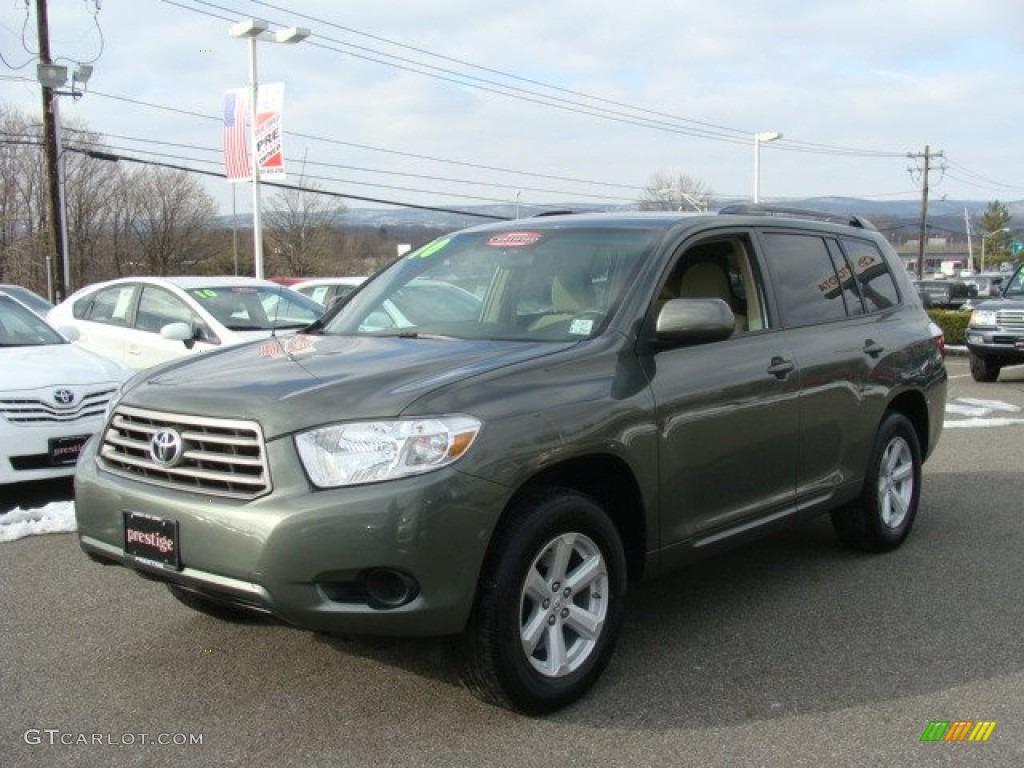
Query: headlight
{"type": "Point", "coordinates": [370, 451]}
{"type": "Point", "coordinates": [983, 318]}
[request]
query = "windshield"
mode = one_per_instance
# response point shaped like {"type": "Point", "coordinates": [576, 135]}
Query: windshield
{"type": "Point", "coordinates": [21, 327]}
{"type": "Point", "coordinates": [528, 285]}
{"type": "Point", "coordinates": [1016, 286]}
{"type": "Point", "coordinates": [257, 308]}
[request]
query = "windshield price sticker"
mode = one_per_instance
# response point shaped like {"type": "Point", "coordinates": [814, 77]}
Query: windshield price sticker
{"type": "Point", "coordinates": [514, 239]}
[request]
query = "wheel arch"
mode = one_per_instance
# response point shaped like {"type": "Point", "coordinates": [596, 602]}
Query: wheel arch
{"type": "Point", "coordinates": [611, 483]}
{"type": "Point", "coordinates": [914, 406]}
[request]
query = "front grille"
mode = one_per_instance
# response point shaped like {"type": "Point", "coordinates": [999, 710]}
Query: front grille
{"type": "Point", "coordinates": [218, 457]}
{"type": "Point", "coordinates": [34, 410]}
{"type": "Point", "coordinates": [1010, 318]}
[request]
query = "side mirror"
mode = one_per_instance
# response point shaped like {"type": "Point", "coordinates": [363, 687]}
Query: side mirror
{"type": "Point", "coordinates": [694, 320]}
{"type": "Point", "coordinates": [176, 331]}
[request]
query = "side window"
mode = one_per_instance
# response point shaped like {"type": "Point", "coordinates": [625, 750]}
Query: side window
{"type": "Point", "coordinates": [110, 305]}
{"type": "Point", "coordinates": [720, 269]}
{"type": "Point", "coordinates": [847, 282]}
{"type": "Point", "coordinates": [158, 307]}
{"type": "Point", "coordinates": [809, 289]}
{"type": "Point", "coordinates": [871, 271]}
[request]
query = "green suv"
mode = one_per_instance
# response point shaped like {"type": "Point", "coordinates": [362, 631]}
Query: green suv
{"type": "Point", "coordinates": [611, 396]}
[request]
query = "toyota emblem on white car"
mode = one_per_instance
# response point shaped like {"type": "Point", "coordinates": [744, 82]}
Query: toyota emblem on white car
{"type": "Point", "coordinates": [63, 396]}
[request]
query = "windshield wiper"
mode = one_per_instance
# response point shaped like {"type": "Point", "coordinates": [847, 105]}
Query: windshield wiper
{"type": "Point", "coordinates": [418, 335]}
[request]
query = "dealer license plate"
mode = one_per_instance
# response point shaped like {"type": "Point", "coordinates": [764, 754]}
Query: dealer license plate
{"type": "Point", "coordinates": [152, 539]}
{"type": "Point", "coordinates": [64, 450]}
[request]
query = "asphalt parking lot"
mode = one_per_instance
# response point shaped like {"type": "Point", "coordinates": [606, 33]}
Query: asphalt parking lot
{"type": "Point", "coordinates": [789, 652]}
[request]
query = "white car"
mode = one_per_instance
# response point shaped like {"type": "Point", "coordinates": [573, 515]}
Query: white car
{"type": "Point", "coordinates": [142, 321]}
{"type": "Point", "coordinates": [29, 298]}
{"type": "Point", "coordinates": [327, 290]}
{"type": "Point", "coordinates": [53, 396]}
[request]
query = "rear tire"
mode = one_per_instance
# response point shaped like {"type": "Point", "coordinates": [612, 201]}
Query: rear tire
{"type": "Point", "coordinates": [549, 605]}
{"type": "Point", "coordinates": [881, 518]}
{"type": "Point", "coordinates": [983, 369]}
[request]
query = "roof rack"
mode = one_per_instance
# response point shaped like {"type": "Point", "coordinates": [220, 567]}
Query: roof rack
{"type": "Point", "coordinates": [748, 209]}
{"type": "Point", "coordinates": [555, 212]}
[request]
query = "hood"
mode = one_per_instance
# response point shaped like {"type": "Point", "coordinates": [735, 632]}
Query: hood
{"type": "Point", "coordinates": [997, 303]}
{"type": "Point", "coordinates": [295, 382]}
{"type": "Point", "coordinates": [56, 365]}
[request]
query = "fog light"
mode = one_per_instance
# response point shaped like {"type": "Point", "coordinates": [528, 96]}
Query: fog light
{"type": "Point", "coordinates": [388, 588]}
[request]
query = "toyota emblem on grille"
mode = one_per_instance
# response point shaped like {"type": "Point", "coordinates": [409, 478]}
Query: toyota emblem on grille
{"type": "Point", "coordinates": [63, 396]}
{"type": "Point", "coordinates": [166, 447]}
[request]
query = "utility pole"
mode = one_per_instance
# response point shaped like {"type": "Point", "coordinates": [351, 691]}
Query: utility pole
{"type": "Point", "coordinates": [927, 155]}
{"type": "Point", "coordinates": [57, 246]}
{"type": "Point", "coordinates": [970, 250]}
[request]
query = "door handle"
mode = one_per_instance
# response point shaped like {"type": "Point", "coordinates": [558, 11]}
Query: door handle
{"type": "Point", "coordinates": [780, 368]}
{"type": "Point", "coordinates": [873, 348]}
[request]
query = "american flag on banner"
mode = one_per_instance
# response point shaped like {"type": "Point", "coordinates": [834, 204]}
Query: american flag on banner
{"type": "Point", "coordinates": [236, 150]}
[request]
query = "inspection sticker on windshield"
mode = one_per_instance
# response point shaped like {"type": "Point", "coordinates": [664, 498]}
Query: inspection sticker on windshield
{"type": "Point", "coordinates": [581, 327]}
{"type": "Point", "coordinates": [514, 239]}
{"type": "Point", "coordinates": [429, 249]}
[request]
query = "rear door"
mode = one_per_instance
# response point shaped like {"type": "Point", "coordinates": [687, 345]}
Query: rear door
{"type": "Point", "coordinates": [836, 303]}
{"type": "Point", "coordinates": [104, 320]}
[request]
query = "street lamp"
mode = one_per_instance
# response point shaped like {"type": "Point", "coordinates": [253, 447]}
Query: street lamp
{"type": "Point", "coordinates": [764, 136]}
{"type": "Point", "coordinates": [986, 237]}
{"type": "Point", "coordinates": [258, 29]}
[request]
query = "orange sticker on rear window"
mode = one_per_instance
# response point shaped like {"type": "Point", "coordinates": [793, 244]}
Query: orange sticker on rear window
{"type": "Point", "coordinates": [514, 239]}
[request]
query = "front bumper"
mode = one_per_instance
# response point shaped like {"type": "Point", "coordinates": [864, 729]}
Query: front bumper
{"type": "Point", "coordinates": [1007, 345]}
{"type": "Point", "coordinates": [303, 555]}
{"type": "Point", "coordinates": [25, 450]}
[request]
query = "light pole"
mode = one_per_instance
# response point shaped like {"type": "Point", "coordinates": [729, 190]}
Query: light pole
{"type": "Point", "coordinates": [765, 137]}
{"type": "Point", "coordinates": [986, 237]}
{"type": "Point", "coordinates": [258, 29]}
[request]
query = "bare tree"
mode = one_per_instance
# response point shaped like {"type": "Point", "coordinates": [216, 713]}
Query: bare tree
{"type": "Point", "coordinates": [298, 232]}
{"type": "Point", "coordinates": [681, 193]}
{"type": "Point", "coordinates": [171, 223]}
{"type": "Point", "coordinates": [24, 237]}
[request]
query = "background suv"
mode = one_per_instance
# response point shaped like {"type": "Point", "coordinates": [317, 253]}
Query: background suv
{"type": "Point", "coordinates": [995, 333]}
{"type": "Point", "coordinates": [625, 393]}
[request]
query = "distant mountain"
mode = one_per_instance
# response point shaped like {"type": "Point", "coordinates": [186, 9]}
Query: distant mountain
{"type": "Point", "coordinates": [944, 216]}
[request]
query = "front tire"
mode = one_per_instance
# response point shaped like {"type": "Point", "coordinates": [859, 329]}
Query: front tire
{"type": "Point", "coordinates": [881, 518]}
{"type": "Point", "coordinates": [983, 369]}
{"type": "Point", "coordinates": [549, 606]}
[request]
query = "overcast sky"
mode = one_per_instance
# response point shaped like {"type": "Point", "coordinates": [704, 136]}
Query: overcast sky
{"type": "Point", "coordinates": [453, 102]}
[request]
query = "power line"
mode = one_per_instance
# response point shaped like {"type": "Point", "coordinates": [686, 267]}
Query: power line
{"type": "Point", "coordinates": [671, 123]}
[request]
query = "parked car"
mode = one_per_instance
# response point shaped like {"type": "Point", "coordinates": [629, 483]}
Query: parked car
{"type": "Point", "coordinates": [142, 321]}
{"type": "Point", "coordinates": [53, 396]}
{"type": "Point", "coordinates": [995, 332]}
{"type": "Point", "coordinates": [328, 290]}
{"type": "Point", "coordinates": [949, 293]}
{"type": "Point", "coordinates": [29, 298]}
{"type": "Point", "coordinates": [631, 392]}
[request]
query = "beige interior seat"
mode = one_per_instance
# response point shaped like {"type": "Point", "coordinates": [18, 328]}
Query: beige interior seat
{"type": "Point", "coordinates": [705, 280]}
{"type": "Point", "coordinates": [572, 292]}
